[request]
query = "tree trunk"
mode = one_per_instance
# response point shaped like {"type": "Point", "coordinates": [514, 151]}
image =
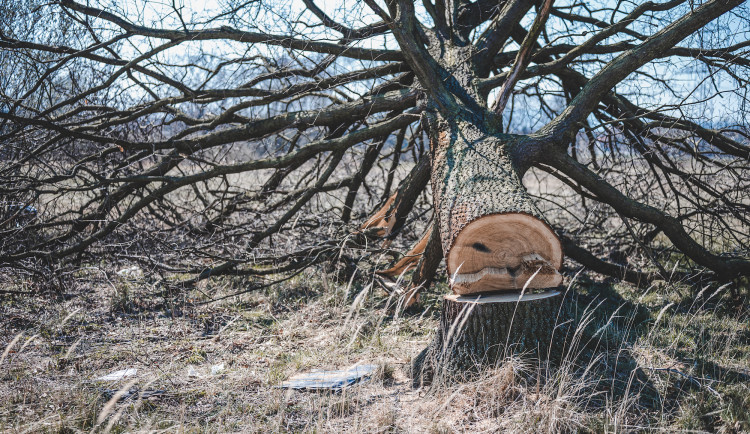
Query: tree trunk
{"type": "Point", "coordinates": [493, 236]}
{"type": "Point", "coordinates": [481, 330]}
{"type": "Point", "coordinates": [494, 240]}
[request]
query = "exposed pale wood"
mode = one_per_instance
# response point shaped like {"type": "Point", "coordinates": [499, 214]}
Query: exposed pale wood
{"type": "Point", "coordinates": [379, 220]}
{"type": "Point", "coordinates": [504, 297]}
{"type": "Point", "coordinates": [392, 215]}
{"type": "Point", "coordinates": [481, 330]}
{"type": "Point", "coordinates": [488, 222]}
{"type": "Point", "coordinates": [504, 252]}
{"type": "Point", "coordinates": [409, 260]}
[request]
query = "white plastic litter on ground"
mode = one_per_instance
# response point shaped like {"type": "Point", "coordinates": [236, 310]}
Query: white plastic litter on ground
{"type": "Point", "coordinates": [330, 380]}
{"type": "Point", "coordinates": [118, 375]}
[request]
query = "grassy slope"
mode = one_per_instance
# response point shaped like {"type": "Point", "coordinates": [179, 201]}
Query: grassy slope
{"type": "Point", "coordinates": [627, 371]}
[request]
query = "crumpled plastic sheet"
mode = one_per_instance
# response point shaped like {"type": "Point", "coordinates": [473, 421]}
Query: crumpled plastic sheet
{"type": "Point", "coordinates": [330, 380]}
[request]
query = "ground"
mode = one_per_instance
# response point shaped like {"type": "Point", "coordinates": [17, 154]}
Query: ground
{"type": "Point", "coordinates": [669, 357]}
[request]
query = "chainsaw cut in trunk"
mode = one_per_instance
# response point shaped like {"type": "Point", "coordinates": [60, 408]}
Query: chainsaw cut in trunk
{"type": "Point", "coordinates": [493, 236]}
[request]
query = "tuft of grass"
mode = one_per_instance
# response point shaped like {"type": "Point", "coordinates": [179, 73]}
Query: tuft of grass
{"type": "Point", "coordinates": [668, 358]}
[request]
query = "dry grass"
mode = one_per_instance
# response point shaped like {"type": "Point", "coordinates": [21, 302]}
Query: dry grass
{"type": "Point", "coordinates": [667, 359]}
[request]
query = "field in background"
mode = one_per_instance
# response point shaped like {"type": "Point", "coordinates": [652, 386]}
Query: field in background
{"type": "Point", "coordinates": [667, 358]}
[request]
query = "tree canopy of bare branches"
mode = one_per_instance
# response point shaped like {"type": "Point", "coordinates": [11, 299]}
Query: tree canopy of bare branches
{"type": "Point", "coordinates": [258, 137]}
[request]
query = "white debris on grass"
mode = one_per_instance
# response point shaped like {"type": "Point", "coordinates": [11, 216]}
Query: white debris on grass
{"type": "Point", "coordinates": [118, 375]}
{"type": "Point", "coordinates": [133, 272]}
{"type": "Point", "coordinates": [217, 369]}
{"type": "Point", "coordinates": [331, 380]}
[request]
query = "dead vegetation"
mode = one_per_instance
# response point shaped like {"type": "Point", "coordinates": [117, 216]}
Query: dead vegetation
{"type": "Point", "coordinates": [666, 358]}
{"type": "Point", "coordinates": [186, 199]}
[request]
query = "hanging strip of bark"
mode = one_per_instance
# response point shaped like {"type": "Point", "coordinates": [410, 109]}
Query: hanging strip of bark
{"type": "Point", "coordinates": [425, 256]}
{"type": "Point", "coordinates": [410, 259]}
{"type": "Point", "coordinates": [390, 218]}
{"type": "Point", "coordinates": [427, 267]}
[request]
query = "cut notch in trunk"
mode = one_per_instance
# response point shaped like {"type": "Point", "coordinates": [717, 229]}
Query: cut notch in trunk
{"type": "Point", "coordinates": [504, 252]}
{"type": "Point", "coordinates": [494, 237]}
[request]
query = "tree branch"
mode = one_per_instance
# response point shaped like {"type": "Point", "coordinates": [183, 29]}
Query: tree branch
{"type": "Point", "coordinates": [228, 33]}
{"type": "Point", "coordinates": [564, 127]}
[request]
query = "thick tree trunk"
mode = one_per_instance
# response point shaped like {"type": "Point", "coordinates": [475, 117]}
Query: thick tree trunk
{"type": "Point", "coordinates": [493, 236]}
{"type": "Point", "coordinates": [481, 330]}
{"type": "Point", "coordinates": [495, 241]}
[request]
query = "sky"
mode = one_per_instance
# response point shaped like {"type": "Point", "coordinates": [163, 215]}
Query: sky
{"type": "Point", "coordinates": [291, 17]}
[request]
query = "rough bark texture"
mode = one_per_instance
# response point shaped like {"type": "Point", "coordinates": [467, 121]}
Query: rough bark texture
{"type": "Point", "coordinates": [479, 331]}
{"type": "Point", "coordinates": [476, 176]}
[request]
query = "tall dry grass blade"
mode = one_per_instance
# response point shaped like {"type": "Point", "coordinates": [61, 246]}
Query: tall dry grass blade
{"type": "Point", "coordinates": [658, 318]}
{"type": "Point", "coordinates": [515, 309]}
{"type": "Point", "coordinates": [72, 348]}
{"type": "Point", "coordinates": [449, 342]}
{"type": "Point", "coordinates": [9, 346]}
{"type": "Point", "coordinates": [107, 409]}
{"type": "Point", "coordinates": [113, 420]}
{"type": "Point", "coordinates": [28, 341]}
{"type": "Point", "coordinates": [69, 316]}
{"type": "Point", "coordinates": [559, 324]}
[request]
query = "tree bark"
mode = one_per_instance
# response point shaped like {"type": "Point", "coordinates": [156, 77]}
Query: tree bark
{"type": "Point", "coordinates": [481, 330]}
{"type": "Point", "coordinates": [493, 236]}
